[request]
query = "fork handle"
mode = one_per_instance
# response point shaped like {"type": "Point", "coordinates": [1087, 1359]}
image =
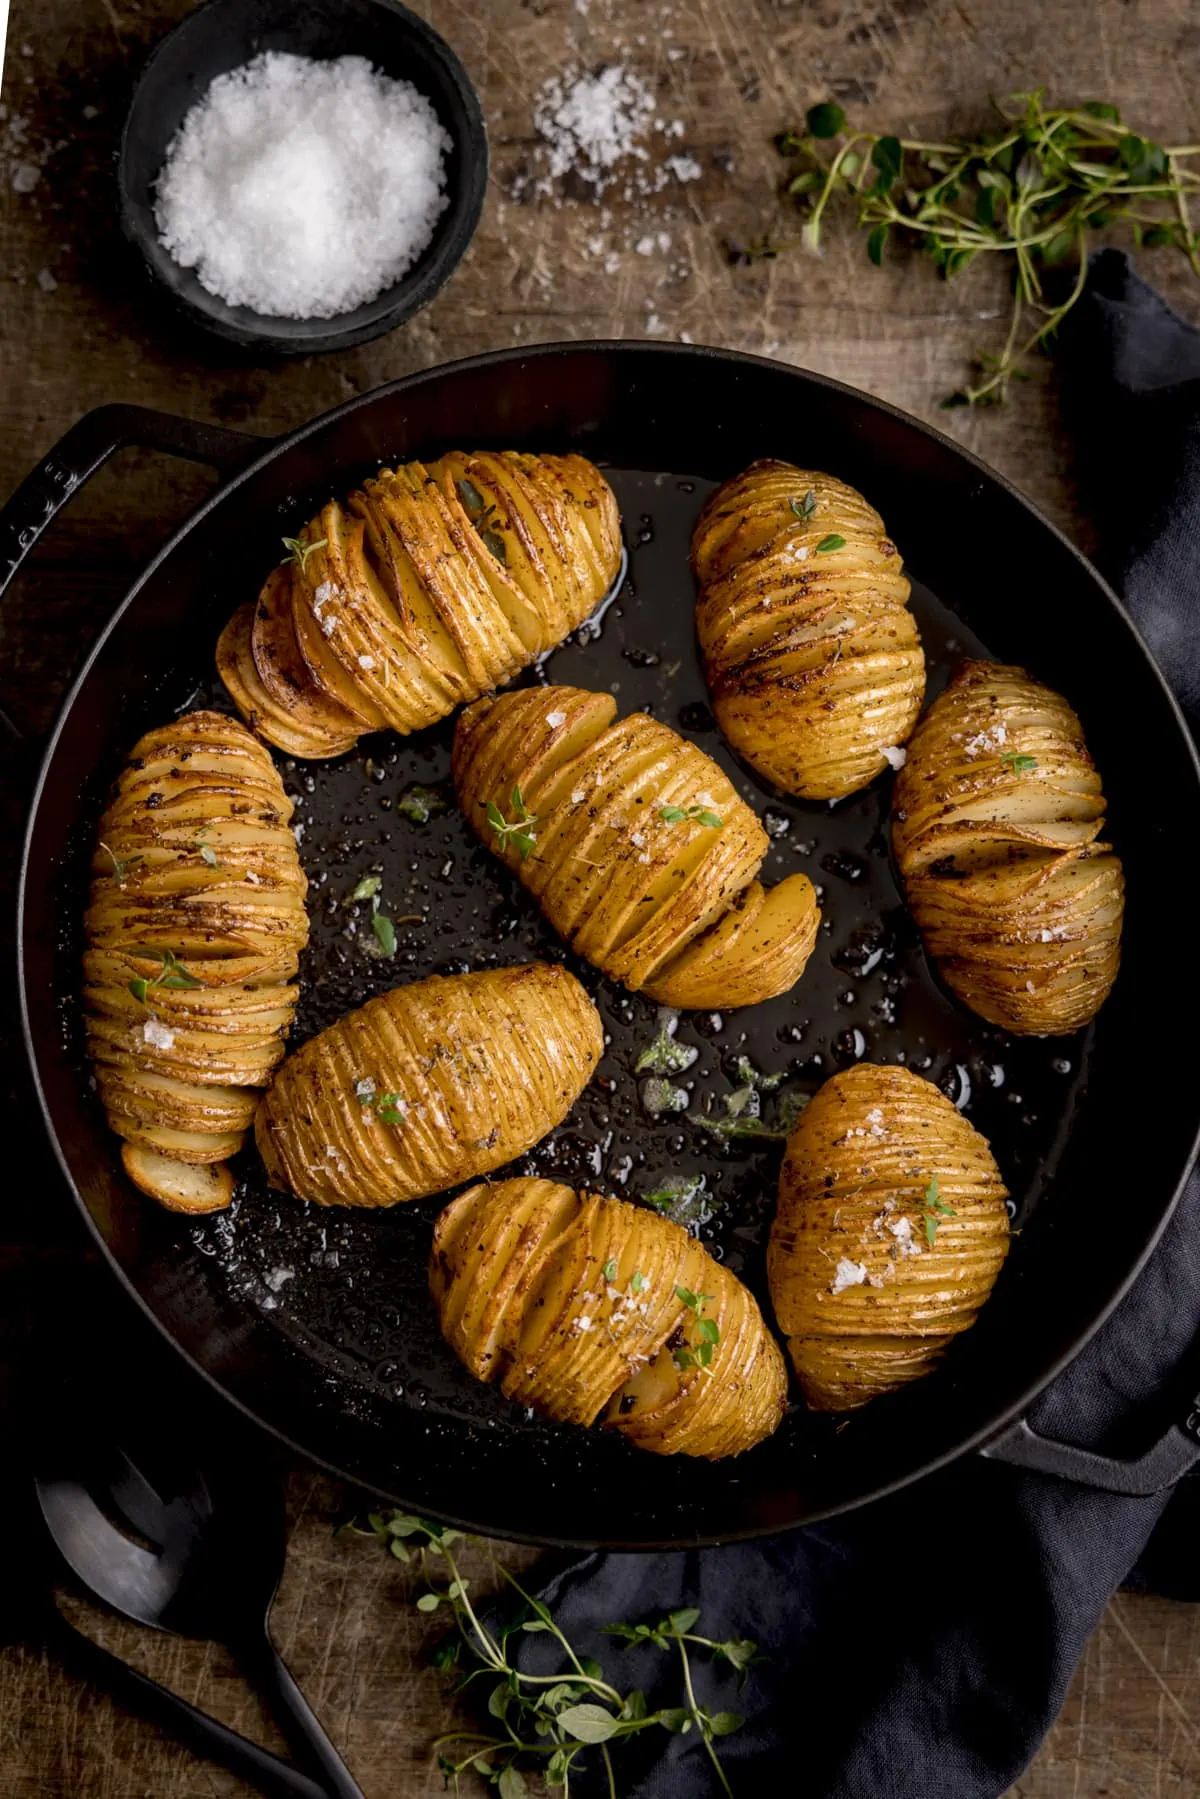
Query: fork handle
{"type": "Point", "coordinates": [264, 1770]}
{"type": "Point", "coordinates": [300, 1723]}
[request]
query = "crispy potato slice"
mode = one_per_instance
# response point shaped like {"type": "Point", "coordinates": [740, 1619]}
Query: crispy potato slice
{"type": "Point", "coordinates": [588, 1308]}
{"type": "Point", "coordinates": [996, 825]}
{"type": "Point", "coordinates": [890, 1231]}
{"type": "Point", "coordinates": [635, 844]}
{"type": "Point", "coordinates": [811, 654]}
{"type": "Point", "coordinates": [759, 947]}
{"type": "Point", "coordinates": [429, 1085]}
{"type": "Point", "coordinates": [431, 586]}
{"type": "Point", "coordinates": [179, 1186]}
{"type": "Point", "coordinates": [190, 956]}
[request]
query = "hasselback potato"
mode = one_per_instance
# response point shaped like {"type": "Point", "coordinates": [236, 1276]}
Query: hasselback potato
{"type": "Point", "coordinates": [589, 1308]}
{"type": "Point", "coordinates": [635, 844]}
{"type": "Point", "coordinates": [890, 1231]}
{"type": "Point", "coordinates": [429, 1085]}
{"type": "Point", "coordinates": [193, 930]}
{"type": "Point", "coordinates": [811, 653]}
{"type": "Point", "coordinates": [996, 824]}
{"type": "Point", "coordinates": [432, 585]}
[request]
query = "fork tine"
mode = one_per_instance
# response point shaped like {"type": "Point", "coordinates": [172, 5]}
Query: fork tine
{"type": "Point", "coordinates": [136, 1499]}
{"type": "Point", "coordinates": [123, 1574]}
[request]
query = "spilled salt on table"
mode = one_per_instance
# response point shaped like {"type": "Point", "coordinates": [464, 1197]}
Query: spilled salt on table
{"type": "Point", "coordinates": [303, 188]}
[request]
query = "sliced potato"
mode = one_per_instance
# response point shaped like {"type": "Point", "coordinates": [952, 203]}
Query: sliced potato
{"type": "Point", "coordinates": [179, 1186]}
{"type": "Point", "coordinates": [635, 844]}
{"type": "Point", "coordinates": [429, 1085]}
{"type": "Point", "coordinates": [194, 928]}
{"type": "Point", "coordinates": [890, 1231]}
{"type": "Point", "coordinates": [812, 656]}
{"type": "Point", "coordinates": [595, 1309]}
{"type": "Point", "coordinates": [431, 586]}
{"type": "Point", "coordinates": [996, 824]}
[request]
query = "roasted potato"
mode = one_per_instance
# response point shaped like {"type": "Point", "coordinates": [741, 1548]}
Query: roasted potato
{"type": "Point", "coordinates": [635, 844]}
{"type": "Point", "coordinates": [996, 824]}
{"type": "Point", "coordinates": [590, 1308]}
{"type": "Point", "coordinates": [429, 1085]}
{"type": "Point", "coordinates": [812, 656]}
{"type": "Point", "coordinates": [890, 1231]}
{"type": "Point", "coordinates": [433, 585]}
{"type": "Point", "coordinates": [194, 928]}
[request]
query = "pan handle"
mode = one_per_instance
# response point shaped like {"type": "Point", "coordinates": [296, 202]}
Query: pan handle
{"type": "Point", "coordinates": [88, 445]}
{"type": "Point", "coordinates": [1159, 1467]}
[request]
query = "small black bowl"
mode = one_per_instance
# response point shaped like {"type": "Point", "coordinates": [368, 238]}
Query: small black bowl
{"type": "Point", "coordinates": [222, 35]}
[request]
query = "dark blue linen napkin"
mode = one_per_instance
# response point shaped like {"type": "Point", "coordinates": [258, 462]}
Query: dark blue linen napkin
{"type": "Point", "coordinates": [920, 1648]}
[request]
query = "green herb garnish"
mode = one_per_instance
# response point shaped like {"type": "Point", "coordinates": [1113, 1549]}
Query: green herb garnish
{"type": "Point", "coordinates": [750, 1076]}
{"type": "Point", "coordinates": [172, 974]}
{"type": "Point", "coordinates": [539, 1722]}
{"type": "Point", "coordinates": [482, 515]}
{"type": "Point", "coordinates": [1021, 765]}
{"type": "Point", "coordinates": [390, 1107]}
{"type": "Point", "coordinates": [830, 543]}
{"type": "Point", "coordinates": [743, 1119]}
{"type": "Point", "coordinates": [299, 552]}
{"type": "Point", "coordinates": [385, 933]}
{"type": "Point", "coordinates": [701, 815]}
{"type": "Point", "coordinates": [685, 1199]}
{"type": "Point", "coordinates": [120, 864]}
{"type": "Point", "coordinates": [1034, 191]}
{"type": "Point", "coordinates": [367, 889]}
{"type": "Point", "coordinates": [934, 1209]}
{"type": "Point", "coordinates": [420, 804]}
{"type": "Point", "coordinates": [804, 508]}
{"type": "Point", "coordinates": [519, 832]}
{"type": "Point", "coordinates": [470, 496]}
{"type": "Point", "coordinates": [697, 1353]}
{"type": "Point", "coordinates": [666, 1055]}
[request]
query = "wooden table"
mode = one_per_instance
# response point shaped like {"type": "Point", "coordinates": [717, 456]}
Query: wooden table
{"type": "Point", "coordinates": [79, 329]}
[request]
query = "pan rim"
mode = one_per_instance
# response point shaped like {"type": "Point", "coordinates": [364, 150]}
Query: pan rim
{"type": "Point", "coordinates": [274, 448]}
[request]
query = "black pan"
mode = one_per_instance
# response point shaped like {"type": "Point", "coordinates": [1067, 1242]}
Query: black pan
{"type": "Point", "coordinates": [317, 1323]}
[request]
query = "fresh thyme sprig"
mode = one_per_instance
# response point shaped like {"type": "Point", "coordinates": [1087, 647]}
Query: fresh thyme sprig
{"type": "Point", "coordinates": [519, 832]}
{"type": "Point", "coordinates": [1035, 191]}
{"type": "Point", "coordinates": [121, 865]}
{"type": "Point", "coordinates": [666, 1055]}
{"type": "Point", "coordinates": [390, 1107]}
{"type": "Point", "coordinates": [933, 1210]}
{"type": "Point", "coordinates": [299, 552]}
{"type": "Point", "coordinates": [171, 974]}
{"type": "Point", "coordinates": [701, 815]}
{"type": "Point", "coordinates": [545, 1723]}
{"type": "Point", "coordinates": [482, 514]}
{"type": "Point", "coordinates": [698, 1352]}
{"type": "Point", "coordinates": [384, 928]}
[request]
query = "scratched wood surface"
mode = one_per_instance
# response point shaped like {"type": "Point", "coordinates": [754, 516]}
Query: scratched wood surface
{"type": "Point", "coordinates": [77, 328]}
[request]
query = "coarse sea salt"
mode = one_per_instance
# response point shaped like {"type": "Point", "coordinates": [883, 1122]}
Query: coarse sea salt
{"type": "Point", "coordinates": [303, 188]}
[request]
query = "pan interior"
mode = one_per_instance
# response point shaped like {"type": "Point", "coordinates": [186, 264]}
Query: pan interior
{"type": "Point", "coordinates": [347, 1288]}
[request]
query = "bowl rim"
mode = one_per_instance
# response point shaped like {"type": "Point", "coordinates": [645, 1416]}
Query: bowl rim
{"type": "Point", "coordinates": [424, 280]}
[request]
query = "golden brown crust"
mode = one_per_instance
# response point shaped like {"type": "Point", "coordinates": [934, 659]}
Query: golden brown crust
{"type": "Point", "coordinates": [811, 653]}
{"type": "Point", "coordinates": [432, 585]}
{"type": "Point", "coordinates": [428, 1085]}
{"type": "Point", "coordinates": [666, 904]}
{"type": "Point", "coordinates": [996, 825]}
{"type": "Point", "coordinates": [574, 1304]}
{"type": "Point", "coordinates": [866, 1300]}
{"type": "Point", "coordinates": [197, 892]}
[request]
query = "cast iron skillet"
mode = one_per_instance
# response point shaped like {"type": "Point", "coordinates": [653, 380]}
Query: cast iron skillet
{"type": "Point", "coordinates": [317, 1323]}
